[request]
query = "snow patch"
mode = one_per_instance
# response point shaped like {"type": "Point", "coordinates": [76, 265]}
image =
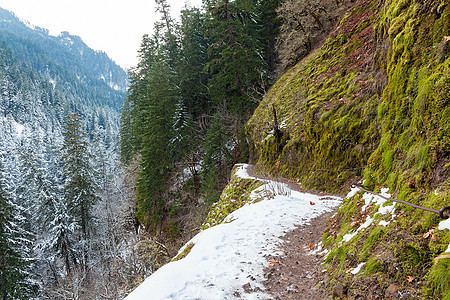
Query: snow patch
{"type": "Point", "coordinates": [444, 224]}
{"type": "Point", "coordinates": [368, 199]}
{"type": "Point", "coordinates": [53, 82]}
{"type": "Point", "coordinates": [352, 192]}
{"type": "Point", "coordinates": [357, 269]}
{"type": "Point", "coordinates": [283, 124]}
{"type": "Point", "coordinates": [366, 224]}
{"type": "Point", "coordinates": [384, 223]}
{"type": "Point", "coordinates": [19, 129]}
{"type": "Point", "coordinates": [349, 236]}
{"type": "Point", "coordinates": [114, 86]}
{"type": "Point", "coordinates": [226, 256]}
{"type": "Point", "coordinates": [241, 172]}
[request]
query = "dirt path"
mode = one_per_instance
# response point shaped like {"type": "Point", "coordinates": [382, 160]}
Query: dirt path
{"type": "Point", "coordinates": [297, 273]}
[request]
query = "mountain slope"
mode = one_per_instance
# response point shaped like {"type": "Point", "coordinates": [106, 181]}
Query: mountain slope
{"type": "Point", "coordinates": [66, 60]}
{"type": "Point", "coordinates": [44, 79]}
{"type": "Point", "coordinates": [372, 103]}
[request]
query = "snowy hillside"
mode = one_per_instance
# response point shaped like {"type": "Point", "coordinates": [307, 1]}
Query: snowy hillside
{"type": "Point", "coordinates": [226, 257]}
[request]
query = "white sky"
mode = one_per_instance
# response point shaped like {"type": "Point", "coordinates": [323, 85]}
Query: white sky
{"type": "Point", "coordinates": [113, 26]}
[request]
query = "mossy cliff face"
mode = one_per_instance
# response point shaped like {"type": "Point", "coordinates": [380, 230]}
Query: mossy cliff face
{"type": "Point", "coordinates": [372, 103]}
{"type": "Point", "coordinates": [326, 107]}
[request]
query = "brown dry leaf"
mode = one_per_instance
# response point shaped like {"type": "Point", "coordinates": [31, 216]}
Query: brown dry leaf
{"type": "Point", "coordinates": [409, 279]}
{"type": "Point", "coordinates": [310, 246]}
{"type": "Point", "coordinates": [312, 203]}
{"type": "Point", "coordinates": [273, 262]}
{"type": "Point", "coordinates": [426, 235]}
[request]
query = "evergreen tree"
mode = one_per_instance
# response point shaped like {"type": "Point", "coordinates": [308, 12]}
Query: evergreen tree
{"type": "Point", "coordinates": [235, 55]}
{"type": "Point", "coordinates": [127, 139]}
{"type": "Point", "coordinates": [166, 30]}
{"type": "Point", "coordinates": [80, 187]}
{"type": "Point", "coordinates": [192, 62]}
{"type": "Point", "coordinates": [217, 159]}
{"type": "Point", "coordinates": [14, 258]}
{"type": "Point", "coordinates": [183, 131]}
{"type": "Point", "coordinates": [161, 98]}
{"type": "Point", "coordinates": [269, 24]}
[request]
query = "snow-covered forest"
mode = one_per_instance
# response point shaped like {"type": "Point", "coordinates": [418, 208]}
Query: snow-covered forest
{"type": "Point", "coordinates": [67, 228]}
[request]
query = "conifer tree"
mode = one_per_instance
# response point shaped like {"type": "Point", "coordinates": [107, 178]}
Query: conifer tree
{"type": "Point", "coordinates": [269, 24]}
{"type": "Point", "coordinates": [14, 259]}
{"type": "Point", "coordinates": [191, 65]}
{"type": "Point", "coordinates": [234, 55]}
{"type": "Point", "coordinates": [217, 159]}
{"type": "Point", "coordinates": [80, 187]}
{"type": "Point", "coordinates": [166, 29]}
{"type": "Point", "coordinates": [127, 139]}
{"type": "Point", "coordinates": [157, 158]}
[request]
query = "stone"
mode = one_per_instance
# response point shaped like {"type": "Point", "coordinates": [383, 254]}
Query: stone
{"type": "Point", "coordinates": [339, 291]}
{"type": "Point", "coordinates": [391, 291]}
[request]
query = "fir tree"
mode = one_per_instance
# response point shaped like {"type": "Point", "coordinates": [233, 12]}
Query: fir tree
{"type": "Point", "coordinates": [192, 62]}
{"type": "Point", "coordinates": [14, 258]}
{"type": "Point", "coordinates": [80, 187]}
{"type": "Point", "coordinates": [157, 157]}
{"type": "Point", "coordinates": [217, 159]}
{"type": "Point", "coordinates": [235, 56]}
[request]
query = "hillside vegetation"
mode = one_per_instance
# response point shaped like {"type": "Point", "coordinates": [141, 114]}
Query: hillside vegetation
{"type": "Point", "coordinates": [371, 103]}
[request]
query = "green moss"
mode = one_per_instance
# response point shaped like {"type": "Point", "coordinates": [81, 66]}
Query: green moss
{"type": "Point", "coordinates": [372, 266]}
{"type": "Point", "coordinates": [371, 242]}
{"type": "Point", "coordinates": [184, 253]}
{"type": "Point", "coordinates": [438, 280]}
{"type": "Point", "coordinates": [235, 195]}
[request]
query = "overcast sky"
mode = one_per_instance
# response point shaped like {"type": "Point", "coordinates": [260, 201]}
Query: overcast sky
{"type": "Point", "coordinates": [113, 26]}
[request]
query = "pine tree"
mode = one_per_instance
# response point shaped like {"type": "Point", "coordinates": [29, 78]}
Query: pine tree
{"type": "Point", "coordinates": [235, 55]}
{"type": "Point", "coordinates": [157, 158]}
{"type": "Point", "coordinates": [14, 258]}
{"type": "Point", "coordinates": [80, 187]}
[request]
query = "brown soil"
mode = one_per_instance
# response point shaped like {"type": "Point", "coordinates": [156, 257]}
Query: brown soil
{"type": "Point", "coordinates": [297, 274]}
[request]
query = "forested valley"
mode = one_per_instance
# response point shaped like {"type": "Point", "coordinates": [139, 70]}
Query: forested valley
{"type": "Point", "coordinates": [73, 224]}
{"type": "Point", "coordinates": [67, 228]}
{"type": "Point", "coordinates": [105, 175]}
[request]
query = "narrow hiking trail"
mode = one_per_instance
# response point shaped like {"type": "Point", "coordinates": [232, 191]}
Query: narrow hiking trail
{"type": "Point", "coordinates": [297, 273]}
{"type": "Point", "coordinates": [242, 257]}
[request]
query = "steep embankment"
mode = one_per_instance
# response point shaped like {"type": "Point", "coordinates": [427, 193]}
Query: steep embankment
{"type": "Point", "coordinates": [372, 103]}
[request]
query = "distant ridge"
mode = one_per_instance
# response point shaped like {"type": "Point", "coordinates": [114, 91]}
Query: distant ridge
{"type": "Point", "coordinates": [65, 58]}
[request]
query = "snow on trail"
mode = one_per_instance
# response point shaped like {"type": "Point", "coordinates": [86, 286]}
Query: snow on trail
{"type": "Point", "coordinates": [228, 256]}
